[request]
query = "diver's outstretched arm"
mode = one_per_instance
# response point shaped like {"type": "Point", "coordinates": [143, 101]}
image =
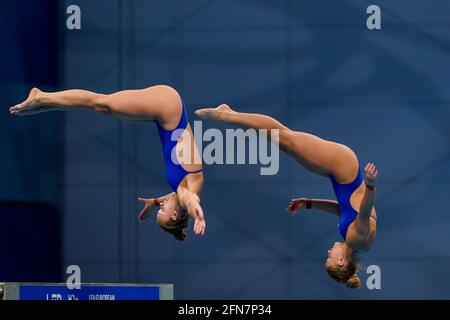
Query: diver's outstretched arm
{"type": "Point", "coordinates": [329, 206]}
{"type": "Point", "coordinates": [150, 204]}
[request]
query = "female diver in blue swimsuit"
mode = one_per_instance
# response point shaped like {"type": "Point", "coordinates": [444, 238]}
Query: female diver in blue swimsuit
{"type": "Point", "coordinates": [355, 196]}
{"type": "Point", "coordinates": [164, 106]}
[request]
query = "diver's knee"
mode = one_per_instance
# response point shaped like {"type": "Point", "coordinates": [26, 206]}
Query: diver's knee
{"type": "Point", "coordinates": [286, 139]}
{"type": "Point", "coordinates": [102, 103]}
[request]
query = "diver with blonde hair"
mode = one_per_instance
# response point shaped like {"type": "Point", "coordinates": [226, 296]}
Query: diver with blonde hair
{"type": "Point", "coordinates": [355, 194]}
{"type": "Point", "coordinates": [163, 106]}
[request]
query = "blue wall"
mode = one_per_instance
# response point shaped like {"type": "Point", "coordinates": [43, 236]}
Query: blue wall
{"type": "Point", "coordinates": [31, 164]}
{"type": "Point", "coordinates": [30, 148]}
{"type": "Point", "coordinates": [314, 66]}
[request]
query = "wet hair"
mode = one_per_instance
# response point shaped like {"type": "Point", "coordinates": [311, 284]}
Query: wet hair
{"type": "Point", "coordinates": [346, 274]}
{"type": "Point", "coordinates": [178, 227]}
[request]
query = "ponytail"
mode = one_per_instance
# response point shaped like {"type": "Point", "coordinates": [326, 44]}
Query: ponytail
{"type": "Point", "coordinates": [353, 282]}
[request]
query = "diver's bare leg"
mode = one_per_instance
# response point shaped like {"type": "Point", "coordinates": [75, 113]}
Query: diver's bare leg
{"type": "Point", "coordinates": [160, 103]}
{"type": "Point", "coordinates": [315, 154]}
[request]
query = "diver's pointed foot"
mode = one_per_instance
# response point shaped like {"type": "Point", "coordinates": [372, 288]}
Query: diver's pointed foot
{"type": "Point", "coordinates": [213, 113]}
{"type": "Point", "coordinates": [29, 105]}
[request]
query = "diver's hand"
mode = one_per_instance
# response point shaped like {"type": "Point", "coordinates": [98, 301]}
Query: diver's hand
{"type": "Point", "coordinates": [196, 211]}
{"type": "Point", "coordinates": [200, 226]}
{"type": "Point", "coordinates": [370, 174]}
{"type": "Point", "coordinates": [295, 205]}
{"type": "Point", "coordinates": [149, 204]}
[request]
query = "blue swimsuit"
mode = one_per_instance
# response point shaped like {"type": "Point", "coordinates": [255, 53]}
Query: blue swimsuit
{"type": "Point", "coordinates": [343, 193]}
{"type": "Point", "coordinates": [174, 171]}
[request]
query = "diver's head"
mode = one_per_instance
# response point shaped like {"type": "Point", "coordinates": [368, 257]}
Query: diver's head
{"type": "Point", "coordinates": [341, 265]}
{"type": "Point", "coordinates": [172, 218]}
